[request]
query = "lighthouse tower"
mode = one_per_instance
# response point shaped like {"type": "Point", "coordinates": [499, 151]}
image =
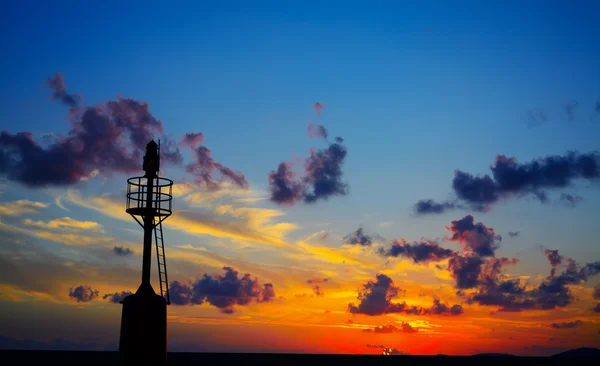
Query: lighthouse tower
{"type": "Point", "coordinates": [144, 318]}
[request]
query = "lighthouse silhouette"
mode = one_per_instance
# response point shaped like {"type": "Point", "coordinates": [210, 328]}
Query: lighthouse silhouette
{"type": "Point", "coordinates": [144, 318]}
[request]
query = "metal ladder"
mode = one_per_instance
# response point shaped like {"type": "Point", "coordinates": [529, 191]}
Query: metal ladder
{"type": "Point", "coordinates": [162, 261]}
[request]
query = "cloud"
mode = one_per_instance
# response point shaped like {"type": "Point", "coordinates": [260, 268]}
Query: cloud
{"type": "Point", "coordinates": [390, 328]}
{"type": "Point", "coordinates": [74, 239]}
{"type": "Point", "coordinates": [58, 202]}
{"type": "Point", "coordinates": [570, 200]}
{"type": "Point", "coordinates": [83, 293]}
{"type": "Point", "coordinates": [407, 328]}
{"type": "Point", "coordinates": [430, 206]}
{"type": "Point", "coordinates": [227, 192]}
{"type": "Point", "coordinates": [116, 297]}
{"type": "Point", "coordinates": [567, 325]}
{"type": "Point", "coordinates": [204, 165]}
{"type": "Point", "coordinates": [322, 177]}
{"type": "Point", "coordinates": [31, 269]}
{"type": "Point", "coordinates": [285, 188]}
{"type": "Point", "coordinates": [510, 178]}
{"type": "Point", "coordinates": [376, 299]}
{"type": "Point", "coordinates": [385, 224]}
{"type": "Point", "coordinates": [20, 207]}
{"type": "Point", "coordinates": [513, 234]}
{"type": "Point", "coordinates": [222, 291]}
{"type": "Point", "coordinates": [318, 108]}
{"type": "Point", "coordinates": [358, 237]}
{"type": "Point", "coordinates": [552, 292]}
{"type": "Point", "coordinates": [347, 255]}
{"type": "Point", "coordinates": [597, 292]}
{"type": "Point", "coordinates": [536, 117]}
{"type": "Point", "coordinates": [324, 172]}
{"type": "Point", "coordinates": [419, 252]}
{"type": "Point", "coordinates": [553, 257]}
{"type": "Point", "coordinates": [316, 285]}
{"type": "Point", "coordinates": [476, 238]}
{"type": "Point", "coordinates": [197, 223]}
{"type": "Point", "coordinates": [57, 85]}
{"type": "Point", "coordinates": [192, 139]}
{"type": "Point", "coordinates": [104, 139]}
{"type": "Point", "coordinates": [121, 251]}
{"type": "Point", "coordinates": [110, 137]}
{"type": "Point", "coordinates": [570, 108]}
{"type": "Point", "coordinates": [316, 131]}
{"type": "Point", "coordinates": [64, 223]}
{"type": "Point", "coordinates": [596, 309]}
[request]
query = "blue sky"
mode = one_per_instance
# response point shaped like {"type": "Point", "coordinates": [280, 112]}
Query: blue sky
{"type": "Point", "coordinates": [415, 90]}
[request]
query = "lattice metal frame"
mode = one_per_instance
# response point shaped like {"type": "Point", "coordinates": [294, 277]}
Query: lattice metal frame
{"type": "Point", "coordinates": [162, 198]}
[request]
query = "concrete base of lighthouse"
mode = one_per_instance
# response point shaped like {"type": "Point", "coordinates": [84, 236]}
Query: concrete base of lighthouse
{"type": "Point", "coordinates": [143, 328]}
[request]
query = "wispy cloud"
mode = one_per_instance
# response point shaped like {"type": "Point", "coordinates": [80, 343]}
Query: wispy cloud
{"type": "Point", "coordinates": [253, 225]}
{"type": "Point", "coordinates": [20, 207]}
{"type": "Point", "coordinates": [64, 223]}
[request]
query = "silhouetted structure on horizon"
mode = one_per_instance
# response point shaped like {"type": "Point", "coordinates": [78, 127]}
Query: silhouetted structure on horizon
{"type": "Point", "coordinates": [144, 318]}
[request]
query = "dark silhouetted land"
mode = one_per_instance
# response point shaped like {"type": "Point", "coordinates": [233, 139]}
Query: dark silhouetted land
{"type": "Point", "coordinates": [580, 356]}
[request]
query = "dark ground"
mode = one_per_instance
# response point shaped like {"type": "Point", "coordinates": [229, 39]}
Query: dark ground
{"type": "Point", "coordinates": [89, 358]}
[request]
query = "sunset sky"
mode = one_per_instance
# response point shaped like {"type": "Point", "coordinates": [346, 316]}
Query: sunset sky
{"type": "Point", "coordinates": [423, 178]}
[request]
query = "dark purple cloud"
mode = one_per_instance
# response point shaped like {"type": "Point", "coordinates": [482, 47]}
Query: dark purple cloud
{"type": "Point", "coordinates": [419, 252]}
{"type": "Point", "coordinates": [596, 309]}
{"type": "Point", "coordinates": [440, 309]}
{"type": "Point", "coordinates": [204, 165]}
{"type": "Point", "coordinates": [567, 325]}
{"type": "Point", "coordinates": [83, 293]}
{"type": "Point", "coordinates": [376, 299]}
{"type": "Point", "coordinates": [285, 188]}
{"type": "Point", "coordinates": [57, 85]}
{"type": "Point", "coordinates": [122, 251]}
{"type": "Point", "coordinates": [551, 293]}
{"type": "Point", "coordinates": [322, 177]}
{"type": "Point", "coordinates": [358, 237]}
{"type": "Point", "coordinates": [110, 137]}
{"type": "Point", "coordinates": [222, 291]}
{"type": "Point", "coordinates": [116, 297]}
{"type": "Point", "coordinates": [478, 268]}
{"type": "Point", "coordinates": [511, 178]}
{"type": "Point", "coordinates": [554, 258]}
{"type": "Point", "coordinates": [597, 292]}
{"type": "Point", "coordinates": [107, 138]}
{"type": "Point", "coordinates": [476, 237]}
{"type": "Point", "coordinates": [323, 169]}
{"type": "Point", "coordinates": [513, 234]}
{"type": "Point", "coordinates": [429, 206]}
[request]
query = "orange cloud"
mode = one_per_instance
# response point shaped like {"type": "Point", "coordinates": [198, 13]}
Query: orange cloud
{"type": "Point", "coordinates": [20, 207]}
{"type": "Point", "coordinates": [257, 228]}
{"type": "Point", "coordinates": [64, 223]}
